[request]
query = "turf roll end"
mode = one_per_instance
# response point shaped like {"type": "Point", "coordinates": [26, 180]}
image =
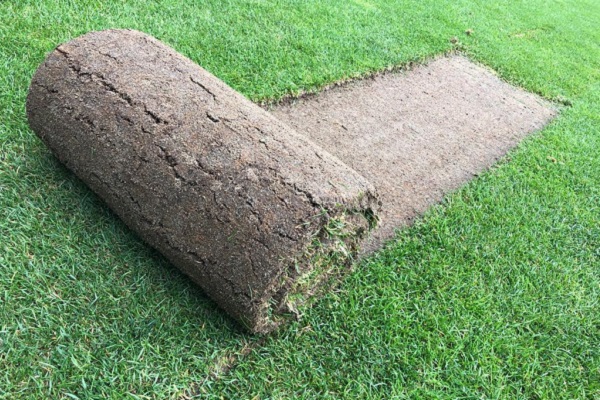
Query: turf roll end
{"type": "Point", "coordinates": [256, 214]}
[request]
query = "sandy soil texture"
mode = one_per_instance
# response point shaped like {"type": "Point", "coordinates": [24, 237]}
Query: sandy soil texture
{"type": "Point", "coordinates": [418, 134]}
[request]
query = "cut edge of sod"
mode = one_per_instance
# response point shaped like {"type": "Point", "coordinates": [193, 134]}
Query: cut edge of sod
{"type": "Point", "coordinates": [328, 257]}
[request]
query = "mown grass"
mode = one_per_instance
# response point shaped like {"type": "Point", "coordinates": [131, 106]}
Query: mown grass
{"type": "Point", "coordinates": [493, 294]}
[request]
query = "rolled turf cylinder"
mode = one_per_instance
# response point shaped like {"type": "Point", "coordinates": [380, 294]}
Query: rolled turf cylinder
{"type": "Point", "coordinates": [257, 215]}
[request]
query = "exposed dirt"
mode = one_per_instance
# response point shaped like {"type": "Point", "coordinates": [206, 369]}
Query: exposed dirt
{"type": "Point", "coordinates": [418, 134]}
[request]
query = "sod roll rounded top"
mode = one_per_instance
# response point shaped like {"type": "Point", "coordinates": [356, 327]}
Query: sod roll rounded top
{"type": "Point", "coordinates": [256, 214]}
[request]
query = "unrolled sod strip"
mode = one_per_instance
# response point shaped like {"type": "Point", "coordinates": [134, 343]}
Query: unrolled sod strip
{"type": "Point", "coordinates": [418, 134]}
{"type": "Point", "coordinates": [256, 214]}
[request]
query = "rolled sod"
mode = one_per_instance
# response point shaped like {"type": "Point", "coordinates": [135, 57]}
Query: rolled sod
{"type": "Point", "coordinates": [255, 213]}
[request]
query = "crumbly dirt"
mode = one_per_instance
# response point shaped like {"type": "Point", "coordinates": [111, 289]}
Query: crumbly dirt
{"type": "Point", "coordinates": [418, 134]}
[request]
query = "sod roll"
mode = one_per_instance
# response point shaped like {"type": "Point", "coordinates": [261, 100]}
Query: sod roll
{"type": "Point", "coordinates": [256, 214]}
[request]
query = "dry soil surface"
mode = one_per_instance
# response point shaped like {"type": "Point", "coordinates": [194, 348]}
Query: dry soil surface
{"type": "Point", "coordinates": [418, 134]}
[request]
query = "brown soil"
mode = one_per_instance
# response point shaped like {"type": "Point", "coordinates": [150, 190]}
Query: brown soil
{"type": "Point", "coordinates": [418, 134]}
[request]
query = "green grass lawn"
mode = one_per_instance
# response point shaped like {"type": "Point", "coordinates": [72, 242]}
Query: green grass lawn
{"type": "Point", "coordinates": [493, 294]}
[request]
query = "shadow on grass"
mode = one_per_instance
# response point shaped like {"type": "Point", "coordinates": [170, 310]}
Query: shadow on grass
{"type": "Point", "coordinates": [88, 308]}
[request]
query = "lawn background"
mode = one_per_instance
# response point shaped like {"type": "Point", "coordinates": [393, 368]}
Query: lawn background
{"type": "Point", "coordinates": [493, 294]}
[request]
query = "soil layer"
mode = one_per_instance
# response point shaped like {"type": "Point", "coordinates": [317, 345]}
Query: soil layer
{"type": "Point", "coordinates": [418, 134]}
